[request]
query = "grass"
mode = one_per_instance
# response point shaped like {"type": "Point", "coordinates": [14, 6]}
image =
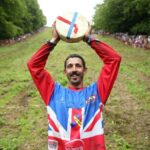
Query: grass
{"type": "Point", "coordinates": [23, 120]}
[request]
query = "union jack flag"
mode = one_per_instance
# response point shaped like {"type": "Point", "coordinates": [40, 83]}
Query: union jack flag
{"type": "Point", "coordinates": [78, 131]}
{"type": "Point", "coordinates": [75, 119]}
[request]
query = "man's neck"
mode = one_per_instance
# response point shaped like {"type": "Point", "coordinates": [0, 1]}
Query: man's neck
{"type": "Point", "coordinates": [76, 87]}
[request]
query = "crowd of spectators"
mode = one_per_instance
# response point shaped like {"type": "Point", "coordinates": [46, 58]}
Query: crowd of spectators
{"type": "Point", "coordinates": [19, 38]}
{"type": "Point", "coordinates": [141, 41]}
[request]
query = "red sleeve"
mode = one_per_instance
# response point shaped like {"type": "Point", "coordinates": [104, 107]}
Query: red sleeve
{"type": "Point", "coordinates": [109, 71]}
{"type": "Point", "coordinates": [42, 79]}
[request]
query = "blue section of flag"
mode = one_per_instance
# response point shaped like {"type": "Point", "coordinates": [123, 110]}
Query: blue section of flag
{"type": "Point", "coordinates": [72, 25]}
{"type": "Point", "coordinates": [49, 128]}
{"type": "Point", "coordinates": [103, 124]}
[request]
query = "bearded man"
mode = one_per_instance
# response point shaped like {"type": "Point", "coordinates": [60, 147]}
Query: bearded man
{"type": "Point", "coordinates": [75, 120]}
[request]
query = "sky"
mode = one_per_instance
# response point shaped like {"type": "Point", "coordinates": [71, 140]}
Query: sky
{"type": "Point", "coordinates": [53, 8]}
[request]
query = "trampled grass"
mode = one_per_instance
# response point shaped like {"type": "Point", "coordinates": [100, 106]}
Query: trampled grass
{"type": "Point", "coordinates": [23, 119]}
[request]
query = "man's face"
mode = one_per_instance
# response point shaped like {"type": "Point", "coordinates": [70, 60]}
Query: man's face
{"type": "Point", "coordinates": [75, 71]}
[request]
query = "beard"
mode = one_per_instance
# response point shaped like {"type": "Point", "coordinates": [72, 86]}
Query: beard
{"type": "Point", "coordinates": [75, 78]}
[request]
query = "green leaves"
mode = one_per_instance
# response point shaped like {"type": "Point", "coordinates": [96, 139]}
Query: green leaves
{"type": "Point", "coordinates": [123, 16]}
{"type": "Point", "coordinates": [19, 17]}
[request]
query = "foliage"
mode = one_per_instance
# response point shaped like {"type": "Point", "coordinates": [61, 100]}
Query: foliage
{"type": "Point", "coordinates": [19, 17]}
{"type": "Point", "coordinates": [123, 16]}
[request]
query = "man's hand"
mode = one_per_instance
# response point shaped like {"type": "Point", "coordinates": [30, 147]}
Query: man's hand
{"type": "Point", "coordinates": [88, 32]}
{"type": "Point", "coordinates": [55, 36]}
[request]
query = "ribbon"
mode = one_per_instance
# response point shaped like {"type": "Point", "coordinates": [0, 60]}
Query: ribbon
{"type": "Point", "coordinates": [71, 23]}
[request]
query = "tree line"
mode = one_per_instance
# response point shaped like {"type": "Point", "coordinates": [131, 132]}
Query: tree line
{"type": "Point", "coordinates": [127, 16]}
{"type": "Point", "coordinates": [18, 17]}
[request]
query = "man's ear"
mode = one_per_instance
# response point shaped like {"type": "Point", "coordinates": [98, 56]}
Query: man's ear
{"type": "Point", "coordinates": [85, 70]}
{"type": "Point", "coordinates": [65, 71]}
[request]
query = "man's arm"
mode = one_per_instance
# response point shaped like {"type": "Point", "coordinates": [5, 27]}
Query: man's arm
{"type": "Point", "coordinates": [110, 69]}
{"type": "Point", "coordinates": [42, 79]}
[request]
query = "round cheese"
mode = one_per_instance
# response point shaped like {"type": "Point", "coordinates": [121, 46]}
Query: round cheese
{"type": "Point", "coordinates": [71, 26]}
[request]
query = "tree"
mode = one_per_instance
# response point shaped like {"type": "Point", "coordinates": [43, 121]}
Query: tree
{"type": "Point", "coordinates": [9, 18]}
{"type": "Point", "coordinates": [19, 17]}
{"type": "Point", "coordinates": [132, 16]}
{"type": "Point", "coordinates": [36, 16]}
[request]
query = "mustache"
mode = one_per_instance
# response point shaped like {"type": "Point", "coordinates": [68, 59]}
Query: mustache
{"type": "Point", "coordinates": [74, 73]}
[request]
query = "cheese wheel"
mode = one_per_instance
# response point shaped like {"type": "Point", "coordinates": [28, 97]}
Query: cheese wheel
{"type": "Point", "coordinates": [71, 26]}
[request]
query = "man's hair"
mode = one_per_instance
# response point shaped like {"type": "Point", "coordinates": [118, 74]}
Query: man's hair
{"type": "Point", "coordinates": [75, 56]}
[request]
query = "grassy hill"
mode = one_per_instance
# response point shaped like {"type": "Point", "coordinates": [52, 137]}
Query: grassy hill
{"type": "Point", "coordinates": [23, 118]}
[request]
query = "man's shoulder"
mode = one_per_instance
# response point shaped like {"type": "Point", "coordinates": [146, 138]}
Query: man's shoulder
{"type": "Point", "coordinates": [59, 86]}
{"type": "Point", "coordinates": [92, 88]}
{"type": "Point", "coordinates": [94, 84]}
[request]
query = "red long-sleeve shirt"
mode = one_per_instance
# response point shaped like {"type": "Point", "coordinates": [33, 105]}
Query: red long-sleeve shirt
{"type": "Point", "coordinates": [45, 83]}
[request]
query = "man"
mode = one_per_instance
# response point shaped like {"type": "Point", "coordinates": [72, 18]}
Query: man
{"type": "Point", "coordinates": [75, 119]}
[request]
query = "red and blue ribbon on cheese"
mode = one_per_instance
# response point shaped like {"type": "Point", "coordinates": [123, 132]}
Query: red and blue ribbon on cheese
{"type": "Point", "coordinates": [75, 29]}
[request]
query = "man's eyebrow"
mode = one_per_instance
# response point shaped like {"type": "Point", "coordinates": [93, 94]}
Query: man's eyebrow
{"type": "Point", "coordinates": [74, 63]}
